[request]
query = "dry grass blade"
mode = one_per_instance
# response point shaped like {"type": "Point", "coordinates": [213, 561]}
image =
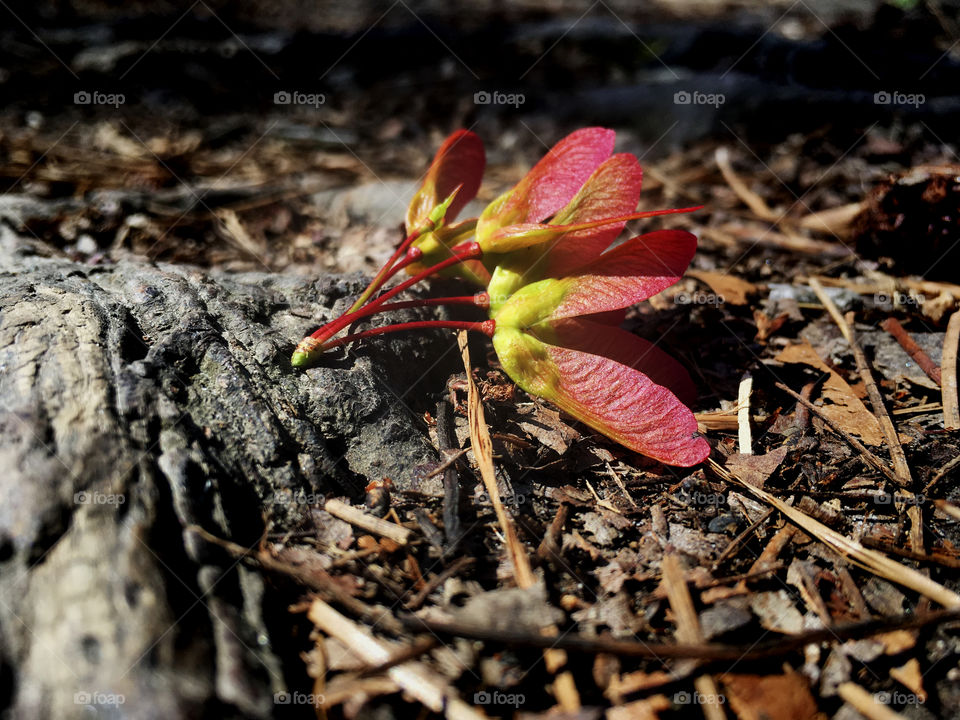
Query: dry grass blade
{"type": "Point", "coordinates": [564, 687]}
{"type": "Point", "coordinates": [948, 373]}
{"type": "Point", "coordinates": [870, 560]}
{"type": "Point", "coordinates": [483, 454]}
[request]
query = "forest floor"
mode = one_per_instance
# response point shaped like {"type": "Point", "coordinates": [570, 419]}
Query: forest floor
{"type": "Point", "coordinates": [800, 571]}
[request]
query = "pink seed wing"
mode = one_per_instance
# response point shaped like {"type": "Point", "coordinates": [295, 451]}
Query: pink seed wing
{"type": "Point", "coordinates": [626, 406]}
{"type": "Point", "coordinates": [460, 161]}
{"type": "Point", "coordinates": [612, 191]}
{"type": "Point", "coordinates": [588, 336]}
{"type": "Point", "coordinates": [628, 274]}
{"type": "Point", "coordinates": [610, 317]}
{"type": "Point", "coordinates": [551, 183]}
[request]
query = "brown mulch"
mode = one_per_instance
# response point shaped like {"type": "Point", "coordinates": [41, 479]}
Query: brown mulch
{"type": "Point", "coordinates": [802, 572]}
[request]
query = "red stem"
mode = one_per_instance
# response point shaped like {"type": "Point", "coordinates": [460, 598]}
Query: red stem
{"type": "Point", "coordinates": [486, 327]}
{"type": "Point", "coordinates": [469, 251]}
{"type": "Point", "coordinates": [387, 271]}
{"type": "Point", "coordinates": [481, 300]}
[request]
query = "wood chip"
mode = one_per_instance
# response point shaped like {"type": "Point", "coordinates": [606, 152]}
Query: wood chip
{"type": "Point", "coordinates": [744, 436]}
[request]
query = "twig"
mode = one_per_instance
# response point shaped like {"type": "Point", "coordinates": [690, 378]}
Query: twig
{"type": "Point", "coordinates": [947, 467]}
{"type": "Point", "coordinates": [368, 522]}
{"type": "Point", "coordinates": [949, 561]}
{"type": "Point", "coordinates": [925, 286]}
{"type": "Point", "coordinates": [951, 407]}
{"type": "Point", "coordinates": [868, 455]}
{"type": "Point", "coordinates": [688, 628]}
{"type": "Point", "coordinates": [710, 652]}
{"type": "Point", "coordinates": [483, 454]}
{"type": "Point", "coordinates": [947, 508]}
{"type": "Point", "coordinates": [452, 456]}
{"type": "Point", "coordinates": [415, 678]}
{"type": "Point", "coordinates": [924, 361]}
{"type": "Point", "coordinates": [803, 412]}
{"type": "Point", "coordinates": [617, 479]}
{"type": "Point", "coordinates": [834, 221]}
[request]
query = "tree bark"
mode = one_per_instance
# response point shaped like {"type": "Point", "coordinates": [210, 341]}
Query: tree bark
{"type": "Point", "coordinates": [137, 399]}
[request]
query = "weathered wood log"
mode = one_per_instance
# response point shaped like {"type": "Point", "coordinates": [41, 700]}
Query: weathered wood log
{"type": "Point", "coordinates": [137, 399]}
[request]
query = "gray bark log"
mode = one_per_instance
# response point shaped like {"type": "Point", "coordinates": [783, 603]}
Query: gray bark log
{"type": "Point", "coordinates": [136, 399]}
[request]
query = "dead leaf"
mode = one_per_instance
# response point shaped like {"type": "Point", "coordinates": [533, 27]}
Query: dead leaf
{"type": "Point", "coordinates": [844, 407]}
{"type": "Point", "coordinates": [755, 469]}
{"type": "Point", "coordinates": [728, 288]}
{"type": "Point", "coordinates": [770, 697]}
